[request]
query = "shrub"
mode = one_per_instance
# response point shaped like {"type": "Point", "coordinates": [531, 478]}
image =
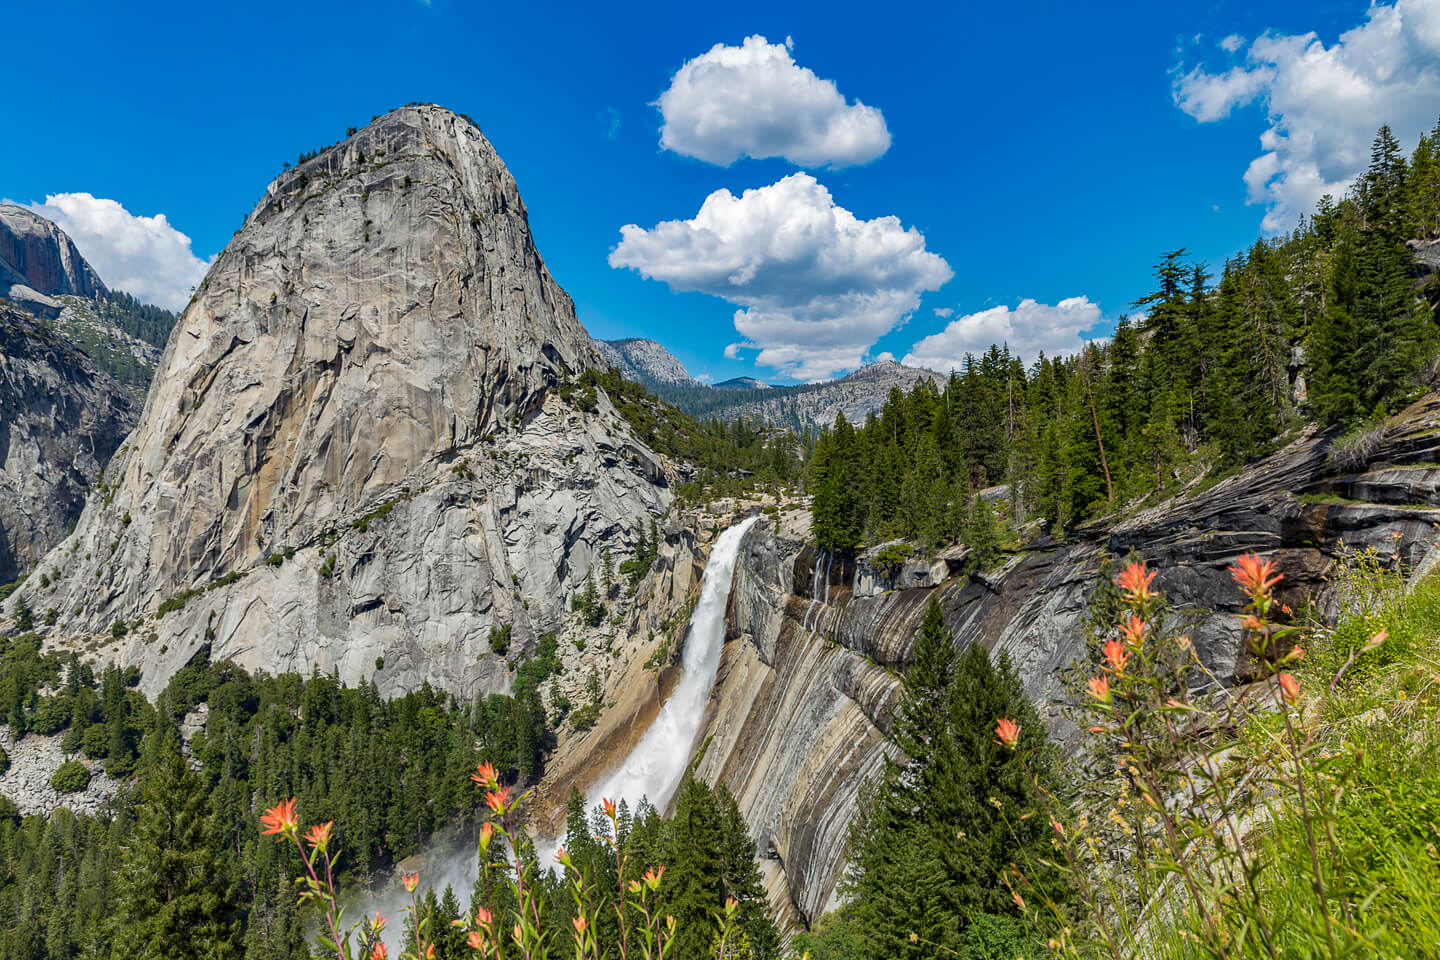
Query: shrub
{"type": "Point", "coordinates": [4, 761]}
{"type": "Point", "coordinates": [500, 639]}
{"type": "Point", "coordinates": [72, 776]}
{"type": "Point", "coordinates": [891, 557]}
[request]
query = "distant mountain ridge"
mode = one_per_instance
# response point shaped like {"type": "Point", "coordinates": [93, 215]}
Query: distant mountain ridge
{"type": "Point", "coordinates": [802, 407]}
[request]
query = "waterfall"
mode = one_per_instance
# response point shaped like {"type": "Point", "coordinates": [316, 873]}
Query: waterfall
{"type": "Point", "coordinates": [654, 767]}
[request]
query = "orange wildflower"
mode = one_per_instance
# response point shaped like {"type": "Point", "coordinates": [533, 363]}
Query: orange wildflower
{"type": "Point", "coordinates": [1133, 630]}
{"type": "Point", "coordinates": [476, 940]}
{"type": "Point", "coordinates": [609, 806]}
{"type": "Point", "coordinates": [653, 875]}
{"type": "Point", "coordinates": [1116, 656]}
{"type": "Point", "coordinates": [497, 799]}
{"type": "Point", "coordinates": [1256, 577]}
{"type": "Point", "coordinates": [319, 836]}
{"type": "Point", "coordinates": [1007, 733]}
{"type": "Point", "coordinates": [279, 819]}
{"type": "Point", "coordinates": [483, 918]}
{"type": "Point", "coordinates": [378, 952]}
{"type": "Point", "coordinates": [1289, 688]}
{"type": "Point", "coordinates": [411, 881]}
{"type": "Point", "coordinates": [485, 773]}
{"type": "Point", "coordinates": [1099, 688]}
{"type": "Point", "coordinates": [1134, 582]}
{"type": "Point", "coordinates": [487, 831]}
{"type": "Point", "coordinates": [580, 924]}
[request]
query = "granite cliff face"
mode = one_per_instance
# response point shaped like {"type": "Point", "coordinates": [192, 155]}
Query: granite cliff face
{"type": "Point", "coordinates": [810, 675]}
{"type": "Point", "coordinates": [38, 261]}
{"type": "Point", "coordinates": [61, 418]}
{"type": "Point", "coordinates": [350, 454]}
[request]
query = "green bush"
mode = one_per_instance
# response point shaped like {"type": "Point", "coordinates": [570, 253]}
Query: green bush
{"type": "Point", "coordinates": [4, 761]}
{"type": "Point", "coordinates": [71, 777]}
{"type": "Point", "coordinates": [500, 639]}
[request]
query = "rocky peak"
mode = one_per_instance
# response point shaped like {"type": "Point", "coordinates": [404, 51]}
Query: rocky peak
{"type": "Point", "coordinates": [347, 451]}
{"type": "Point", "coordinates": [38, 261]}
{"type": "Point", "coordinates": [646, 361]}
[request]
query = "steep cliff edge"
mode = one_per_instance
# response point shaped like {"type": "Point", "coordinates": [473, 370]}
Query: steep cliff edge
{"type": "Point", "coordinates": [38, 262]}
{"type": "Point", "coordinates": [61, 418]}
{"type": "Point", "coordinates": [811, 670]}
{"type": "Point", "coordinates": [350, 457]}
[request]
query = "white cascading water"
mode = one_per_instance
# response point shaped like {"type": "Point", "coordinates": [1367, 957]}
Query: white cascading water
{"type": "Point", "coordinates": [656, 764]}
{"type": "Point", "coordinates": [654, 767]}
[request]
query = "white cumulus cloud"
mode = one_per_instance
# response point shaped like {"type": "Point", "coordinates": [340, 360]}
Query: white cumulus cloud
{"type": "Point", "coordinates": [1028, 329]}
{"type": "Point", "coordinates": [817, 285]}
{"type": "Point", "coordinates": [1324, 104]}
{"type": "Point", "coordinates": [143, 256]}
{"type": "Point", "coordinates": [755, 100]}
{"type": "Point", "coordinates": [944, 313]}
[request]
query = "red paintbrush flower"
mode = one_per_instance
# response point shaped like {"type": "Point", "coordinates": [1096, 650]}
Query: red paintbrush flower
{"type": "Point", "coordinates": [279, 819]}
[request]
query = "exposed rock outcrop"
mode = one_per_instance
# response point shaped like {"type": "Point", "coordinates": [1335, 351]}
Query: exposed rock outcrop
{"type": "Point", "coordinates": [61, 419]}
{"type": "Point", "coordinates": [352, 449]}
{"type": "Point", "coordinates": [38, 261]}
{"type": "Point", "coordinates": [811, 671]}
{"type": "Point", "coordinates": [645, 361]}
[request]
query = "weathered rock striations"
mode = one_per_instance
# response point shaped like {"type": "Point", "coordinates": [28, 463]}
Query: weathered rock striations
{"type": "Point", "coordinates": [351, 455]}
{"type": "Point", "coordinates": [811, 672]}
{"type": "Point", "coordinates": [38, 261]}
{"type": "Point", "coordinates": [61, 418]}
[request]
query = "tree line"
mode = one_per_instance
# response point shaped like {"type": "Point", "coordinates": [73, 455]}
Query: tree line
{"type": "Point", "coordinates": [1329, 323]}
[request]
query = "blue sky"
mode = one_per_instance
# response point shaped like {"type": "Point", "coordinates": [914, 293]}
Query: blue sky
{"type": "Point", "coordinates": [1044, 152]}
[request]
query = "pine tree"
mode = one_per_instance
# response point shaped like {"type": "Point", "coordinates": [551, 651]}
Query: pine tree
{"type": "Point", "coordinates": [693, 889]}
{"type": "Point", "coordinates": [173, 897]}
{"type": "Point", "coordinates": [929, 842]}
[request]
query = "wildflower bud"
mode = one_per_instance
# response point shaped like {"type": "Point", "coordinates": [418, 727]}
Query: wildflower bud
{"type": "Point", "coordinates": [1289, 688]}
{"type": "Point", "coordinates": [483, 918]}
{"type": "Point", "coordinates": [1295, 655]}
{"type": "Point", "coordinates": [378, 952]}
{"type": "Point", "coordinates": [485, 775]}
{"type": "Point", "coordinates": [1099, 688]}
{"type": "Point", "coordinates": [1116, 656]}
{"type": "Point", "coordinates": [1133, 630]}
{"type": "Point", "coordinates": [476, 940]}
{"type": "Point", "coordinates": [562, 858]}
{"type": "Point", "coordinates": [487, 832]}
{"type": "Point", "coordinates": [1007, 733]}
{"type": "Point", "coordinates": [580, 924]}
{"type": "Point", "coordinates": [430, 952]}
{"type": "Point", "coordinates": [1375, 640]}
{"type": "Point", "coordinates": [377, 925]}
